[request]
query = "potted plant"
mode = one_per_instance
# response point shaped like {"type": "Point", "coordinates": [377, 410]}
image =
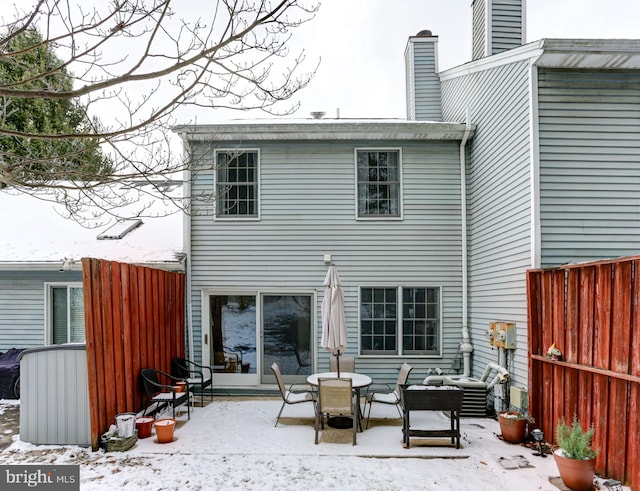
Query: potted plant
{"type": "Point", "coordinates": [575, 457]}
{"type": "Point", "coordinates": [513, 425]}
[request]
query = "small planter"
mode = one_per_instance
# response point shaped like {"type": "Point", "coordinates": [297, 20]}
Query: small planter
{"type": "Point", "coordinates": [575, 457]}
{"type": "Point", "coordinates": [144, 426]}
{"type": "Point", "coordinates": [180, 386]}
{"type": "Point", "coordinates": [164, 429]}
{"type": "Point", "coordinates": [125, 423]}
{"type": "Point", "coordinates": [576, 474]}
{"type": "Point", "coordinates": [513, 426]}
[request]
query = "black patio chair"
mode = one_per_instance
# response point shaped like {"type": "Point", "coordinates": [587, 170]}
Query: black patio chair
{"type": "Point", "coordinates": [194, 374]}
{"type": "Point", "coordinates": [163, 394]}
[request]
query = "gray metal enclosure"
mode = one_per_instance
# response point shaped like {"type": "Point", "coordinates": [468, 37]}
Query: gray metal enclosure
{"type": "Point", "coordinates": [54, 395]}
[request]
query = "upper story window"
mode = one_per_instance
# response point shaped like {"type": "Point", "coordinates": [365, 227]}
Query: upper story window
{"type": "Point", "coordinates": [378, 180]}
{"type": "Point", "coordinates": [65, 313]}
{"type": "Point", "coordinates": [400, 321]}
{"type": "Point", "coordinates": [237, 183]}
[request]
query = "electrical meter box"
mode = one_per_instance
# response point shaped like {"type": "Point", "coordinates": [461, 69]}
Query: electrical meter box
{"type": "Point", "coordinates": [502, 334]}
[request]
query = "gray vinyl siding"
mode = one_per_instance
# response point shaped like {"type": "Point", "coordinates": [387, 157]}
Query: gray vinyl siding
{"type": "Point", "coordinates": [498, 203]}
{"type": "Point", "coordinates": [22, 315]}
{"type": "Point", "coordinates": [507, 25]}
{"type": "Point", "coordinates": [589, 164]}
{"type": "Point", "coordinates": [428, 105]}
{"type": "Point", "coordinates": [479, 43]}
{"type": "Point", "coordinates": [308, 210]}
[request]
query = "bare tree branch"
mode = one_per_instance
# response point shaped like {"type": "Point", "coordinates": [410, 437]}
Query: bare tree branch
{"type": "Point", "coordinates": [134, 64]}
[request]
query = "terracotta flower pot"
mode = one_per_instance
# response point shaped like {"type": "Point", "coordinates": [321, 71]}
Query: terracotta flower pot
{"type": "Point", "coordinates": [144, 426]}
{"type": "Point", "coordinates": [513, 426]}
{"type": "Point", "coordinates": [576, 474]}
{"type": "Point", "coordinates": [164, 429]}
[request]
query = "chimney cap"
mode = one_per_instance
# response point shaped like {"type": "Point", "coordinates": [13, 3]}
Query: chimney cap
{"type": "Point", "coordinates": [425, 33]}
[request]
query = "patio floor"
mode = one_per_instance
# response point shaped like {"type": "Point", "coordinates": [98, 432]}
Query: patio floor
{"type": "Point", "coordinates": [232, 442]}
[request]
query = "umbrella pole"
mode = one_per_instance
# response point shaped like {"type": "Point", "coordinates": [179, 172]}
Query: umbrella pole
{"type": "Point", "coordinates": [338, 363]}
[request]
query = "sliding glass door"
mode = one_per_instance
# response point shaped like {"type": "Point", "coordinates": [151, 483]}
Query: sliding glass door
{"type": "Point", "coordinates": [246, 333]}
{"type": "Point", "coordinates": [287, 336]}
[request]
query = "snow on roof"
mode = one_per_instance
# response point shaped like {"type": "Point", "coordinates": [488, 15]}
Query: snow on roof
{"type": "Point", "coordinates": [36, 231]}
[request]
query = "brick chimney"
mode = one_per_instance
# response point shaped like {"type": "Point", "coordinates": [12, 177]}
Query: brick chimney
{"type": "Point", "coordinates": [424, 99]}
{"type": "Point", "coordinates": [498, 25]}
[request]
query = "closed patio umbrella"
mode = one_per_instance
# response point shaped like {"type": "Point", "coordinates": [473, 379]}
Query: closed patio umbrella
{"type": "Point", "coordinates": [334, 325]}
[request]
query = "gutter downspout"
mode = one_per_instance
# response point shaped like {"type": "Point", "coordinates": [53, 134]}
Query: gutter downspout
{"type": "Point", "coordinates": [465, 346]}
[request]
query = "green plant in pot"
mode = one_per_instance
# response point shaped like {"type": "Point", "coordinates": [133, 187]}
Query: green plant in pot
{"type": "Point", "coordinates": [575, 457]}
{"type": "Point", "coordinates": [513, 425]}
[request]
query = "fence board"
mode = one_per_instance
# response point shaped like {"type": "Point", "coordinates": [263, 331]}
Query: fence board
{"type": "Point", "coordinates": [535, 397]}
{"type": "Point", "coordinates": [633, 451]}
{"type": "Point", "coordinates": [599, 376]}
{"type": "Point", "coordinates": [127, 338]}
{"type": "Point", "coordinates": [602, 342]}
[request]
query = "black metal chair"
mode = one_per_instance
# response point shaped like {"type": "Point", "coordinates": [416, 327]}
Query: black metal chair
{"type": "Point", "coordinates": [290, 396]}
{"type": "Point", "coordinates": [163, 394]}
{"type": "Point", "coordinates": [194, 374]}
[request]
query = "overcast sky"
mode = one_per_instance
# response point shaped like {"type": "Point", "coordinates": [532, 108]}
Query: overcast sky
{"type": "Point", "coordinates": [361, 45]}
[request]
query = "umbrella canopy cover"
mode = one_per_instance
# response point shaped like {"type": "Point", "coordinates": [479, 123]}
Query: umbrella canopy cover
{"type": "Point", "coordinates": [334, 325]}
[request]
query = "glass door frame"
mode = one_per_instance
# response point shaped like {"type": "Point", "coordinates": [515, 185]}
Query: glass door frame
{"type": "Point", "coordinates": [258, 378]}
{"type": "Point", "coordinates": [221, 378]}
{"type": "Point", "coordinates": [267, 376]}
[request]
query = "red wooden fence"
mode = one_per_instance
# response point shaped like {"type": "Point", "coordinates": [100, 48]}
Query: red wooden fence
{"type": "Point", "coordinates": [591, 311]}
{"type": "Point", "coordinates": [134, 319]}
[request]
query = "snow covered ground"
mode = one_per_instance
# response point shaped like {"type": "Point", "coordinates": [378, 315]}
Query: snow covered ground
{"type": "Point", "coordinates": [233, 444]}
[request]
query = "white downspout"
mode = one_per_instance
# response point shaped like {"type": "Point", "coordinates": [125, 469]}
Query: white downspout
{"type": "Point", "coordinates": [465, 346]}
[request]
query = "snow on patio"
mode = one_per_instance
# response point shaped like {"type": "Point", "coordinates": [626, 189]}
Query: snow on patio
{"type": "Point", "coordinates": [234, 444]}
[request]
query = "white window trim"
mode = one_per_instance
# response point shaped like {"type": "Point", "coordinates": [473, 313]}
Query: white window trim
{"type": "Point", "coordinates": [400, 193]}
{"type": "Point", "coordinates": [237, 218]}
{"type": "Point", "coordinates": [399, 289]}
{"type": "Point", "coordinates": [48, 307]}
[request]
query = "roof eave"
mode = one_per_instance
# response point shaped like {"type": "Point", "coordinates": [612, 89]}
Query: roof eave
{"type": "Point", "coordinates": [176, 265]}
{"type": "Point", "coordinates": [325, 130]}
{"type": "Point", "coordinates": [601, 54]}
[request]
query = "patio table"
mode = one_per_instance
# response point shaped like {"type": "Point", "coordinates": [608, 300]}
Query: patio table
{"type": "Point", "coordinates": [358, 381]}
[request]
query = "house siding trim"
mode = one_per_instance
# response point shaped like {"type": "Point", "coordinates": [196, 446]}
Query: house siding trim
{"type": "Point", "coordinates": [534, 149]}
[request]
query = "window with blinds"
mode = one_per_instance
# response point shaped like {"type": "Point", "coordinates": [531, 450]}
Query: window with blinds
{"type": "Point", "coordinates": [66, 314]}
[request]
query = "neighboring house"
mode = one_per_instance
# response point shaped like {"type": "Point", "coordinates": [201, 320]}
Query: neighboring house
{"type": "Point", "coordinates": [546, 135]}
{"type": "Point", "coordinates": [41, 299]}
{"type": "Point", "coordinates": [554, 166]}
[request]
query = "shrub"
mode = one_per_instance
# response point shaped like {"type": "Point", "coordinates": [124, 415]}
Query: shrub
{"type": "Point", "coordinates": [575, 443]}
